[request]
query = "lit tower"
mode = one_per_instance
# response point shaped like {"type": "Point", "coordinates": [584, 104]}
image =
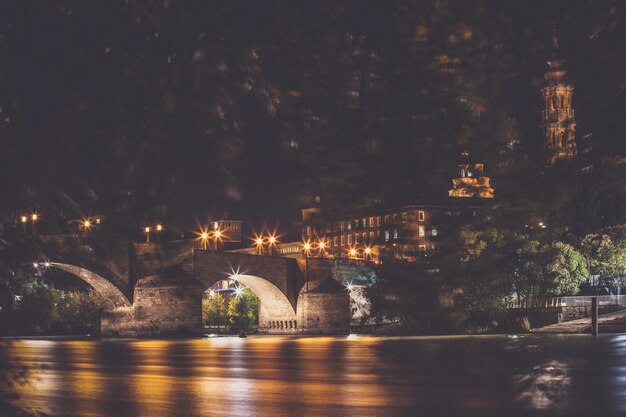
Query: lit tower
{"type": "Point", "coordinates": [471, 182]}
{"type": "Point", "coordinates": [558, 117]}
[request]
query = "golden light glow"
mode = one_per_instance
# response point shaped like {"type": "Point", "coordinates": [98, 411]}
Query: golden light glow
{"type": "Point", "coordinates": [147, 229]}
{"type": "Point", "coordinates": [204, 236]}
{"type": "Point", "coordinates": [306, 246]}
{"type": "Point", "coordinates": [321, 245]}
{"type": "Point", "coordinates": [34, 217]}
{"type": "Point", "coordinates": [24, 219]}
{"type": "Point", "coordinates": [218, 234]}
{"type": "Point", "coordinates": [352, 252]}
{"type": "Point", "coordinates": [368, 250]}
{"type": "Point", "coordinates": [272, 239]}
{"type": "Point", "coordinates": [259, 241]}
{"type": "Point", "coordinates": [86, 224]}
{"type": "Point", "coordinates": [159, 227]}
{"type": "Point", "coordinates": [98, 220]}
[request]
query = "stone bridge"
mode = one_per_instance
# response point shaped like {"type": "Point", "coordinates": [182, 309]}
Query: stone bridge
{"type": "Point", "coordinates": [156, 288]}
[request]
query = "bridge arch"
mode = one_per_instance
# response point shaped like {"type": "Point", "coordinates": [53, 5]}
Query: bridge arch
{"type": "Point", "coordinates": [112, 295]}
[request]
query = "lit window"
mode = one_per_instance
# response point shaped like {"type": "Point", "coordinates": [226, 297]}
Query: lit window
{"type": "Point", "coordinates": [364, 236]}
{"type": "Point", "coordinates": [349, 239]}
{"type": "Point", "coordinates": [404, 217]}
{"type": "Point", "coordinates": [341, 226]}
{"type": "Point", "coordinates": [371, 236]}
{"type": "Point", "coordinates": [356, 239]}
{"type": "Point", "coordinates": [422, 248]}
{"type": "Point", "coordinates": [422, 231]}
{"type": "Point", "coordinates": [395, 218]}
{"type": "Point", "coordinates": [395, 233]}
{"type": "Point", "coordinates": [308, 230]}
{"type": "Point", "coordinates": [386, 218]}
{"type": "Point", "coordinates": [420, 215]}
{"type": "Point", "coordinates": [434, 232]}
{"type": "Point", "coordinates": [343, 240]}
{"type": "Point", "coordinates": [364, 222]}
{"type": "Point", "coordinates": [386, 235]}
{"type": "Point", "coordinates": [349, 225]}
{"type": "Point", "coordinates": [335, 240]}
{"type": "Point", "coordinates": [371, 222]}
{"type": "Point", "coordinates": [378, 221]}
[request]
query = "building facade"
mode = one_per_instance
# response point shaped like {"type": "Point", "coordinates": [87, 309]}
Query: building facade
{"type": "Point", "coordinates": [471, 181]}
{"type": "Point", "coordinates": [559, 126]}
{"type": "Point", "coordinates": [373, 234]}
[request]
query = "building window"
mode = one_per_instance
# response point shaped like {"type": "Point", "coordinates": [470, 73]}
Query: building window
{"type": "Point", "coordinates": [422, 231]}
{"type": "Point", "coordinates": [308, 230]}
{"type": "Point", "coordinates": [386, 218]}
{"type": "Point", "coordinates": [364, 236]}
{"type": "Point", "coordinates": [349, 224]}
{"type": "Point", "coordinates": [343, 240]}
{"type": "Point", "coordinates": [395, 233]}
{"type": "Point", "coordinates": [371, 222]}
{"type": "Point", "coordinates": [364, 222]}
{"type": "Point", "coordinates": [434, 232]}
{"type": "Point", "coordinates": [335, 241]}
{"type": "Point", "coordinates": [328, 228]}
{"type": "Point", "coordinates": [395, 218]}
{"type": "Point", "coordinates": [341, 226]}
{"type": "Point", "coordinates": [349, 239]}
{"type": "Point", "coordinates": [378, 221]}
{"type": "Point", "coordinates": [422, 248]}
{"type": "Point", "coordinates": [371, 236]}
{"type": "Point", "coordinates": [404, 217]}
{"type": "Point", "coordinates": [420, 215]}
{"type": "Point", "coordinates": [386, 235]}
{"type": "Point", "coordinates": [356, 239]}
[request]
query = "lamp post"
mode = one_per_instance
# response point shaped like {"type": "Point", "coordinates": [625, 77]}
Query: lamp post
{"type": "Point", "coordinates": [217, 237]}
{"type": "Point", "coordinates": [368, 253]}
{"type": "Point", "coordinates": [24, 220]}
{"type": "Point", "coordinates": [259, 242]}
{"type": "Point", "coordinates": [272, 241]}
{"type": "Point", "coordinates": [86, 226]}
{"type": "Point", "coordinates": [147, 232]}
{"type": "Point", "coordinates": [159, 229]}
{"type": "Point", "coordinates": [35, 218]}
{"type": "Point", "coordinates": [204, 238]}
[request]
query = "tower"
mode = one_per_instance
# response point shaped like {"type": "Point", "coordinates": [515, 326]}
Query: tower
{"type": "Point", "coordinates": [558, 116]}
{"type": "Point", "coordinates": [471, 182]}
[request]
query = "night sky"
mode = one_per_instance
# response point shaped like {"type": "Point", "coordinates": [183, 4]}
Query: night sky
{"type": "Point", "coordinates": [177, 111]}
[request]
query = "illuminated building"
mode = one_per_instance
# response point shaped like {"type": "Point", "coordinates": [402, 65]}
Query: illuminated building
{"type": "Point", "coordinates": [373, 234]}
{"type": "Point", "coordinates": [559, 125]}
{"type": "Point", "coordinates": [471, 181]}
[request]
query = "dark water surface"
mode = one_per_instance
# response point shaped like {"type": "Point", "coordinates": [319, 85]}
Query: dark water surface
{"type": "Point", "coordinates": [574, 375]}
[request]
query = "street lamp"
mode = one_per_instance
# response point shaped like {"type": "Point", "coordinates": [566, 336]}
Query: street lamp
{"type": "Point", "coordinates": [306, 249]}
{"type": "Point", "coordinates": [352, 253]}
{"type": "Point", "coordinates": [259, 242]}
{"type": "Point", "coordinates": [147, 232]}
{"type": "Point", "coordinates": [35, 218]}
{"type": "Point", "coordinates": [24, 220]}
{"type": "Point", "coordinates": [321, 245]}
{"type": "Point", "coordinates": [217, 237]}
{"type": "Point", "coordinates": [159, 229]}
{"type": "Point", "coordinates": [204, 239]}
{"type": "Point", "coordinates": [86, 226]}
{"type": "Point", "coordinates": [368, 253]}
{"type": "Point", "coordinates": [272, 240]}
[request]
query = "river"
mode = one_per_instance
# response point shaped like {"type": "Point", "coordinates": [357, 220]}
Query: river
{"type": "Point", "coordinates": [262, 376]}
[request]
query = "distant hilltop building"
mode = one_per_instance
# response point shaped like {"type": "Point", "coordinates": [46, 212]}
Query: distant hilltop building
{"type": "Point", "coordinates": [471, 181]}
{"type": "Point", "coordinates": [559, 125]}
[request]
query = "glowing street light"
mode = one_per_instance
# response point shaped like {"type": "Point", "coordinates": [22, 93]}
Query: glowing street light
{"type": "Point", "coordinates": [24, 220]}
{"type": "Point", "coordinates": [368, 252]}
{"type": "Point", "coordinates": [159, 229]}
{"type": "Point", "coordinates": [272, 240]}
{"type": "Point", "coordinates": [35, 265]}
{"type": "Point", "coordinates": [217, 237]}
{"type": "Point", "coordinates": [146, 230]}
{"type": "Point", "coordinates": [259, 242]}
{"type": "Point", "coordinates": [204, 238]}
{"type": "Point", "coordinates": [352, 253]}
{"type": "Point", "coordinates": [35, 218]}
{"type": "Point", "coordinates": [321, 245]}
{"type": "Point", "coordinates": [238, 291]}
{"type": "Point", "coordinates": [306, 249]}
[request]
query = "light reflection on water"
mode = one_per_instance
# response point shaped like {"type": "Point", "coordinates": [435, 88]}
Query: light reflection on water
{"type": "Point", "coordinates": [335, 376]}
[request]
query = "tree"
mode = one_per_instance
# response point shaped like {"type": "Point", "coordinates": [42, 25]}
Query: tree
{"type": "Point", "coordinates": [243, 311]}
{"type": "Point", "coordinates": [564, 271]}
{"type": "Point", "coordinates": [214, 310]}
{"type": "Point", "coordinates": [606, 257]}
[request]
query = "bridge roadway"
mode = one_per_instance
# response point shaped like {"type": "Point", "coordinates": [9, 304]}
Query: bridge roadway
{"type": "Point", "coordinates": [156, 288]}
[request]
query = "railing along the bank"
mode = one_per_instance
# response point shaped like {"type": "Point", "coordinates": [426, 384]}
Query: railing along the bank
{"type": "Point", "coordinates": [571, 301]}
